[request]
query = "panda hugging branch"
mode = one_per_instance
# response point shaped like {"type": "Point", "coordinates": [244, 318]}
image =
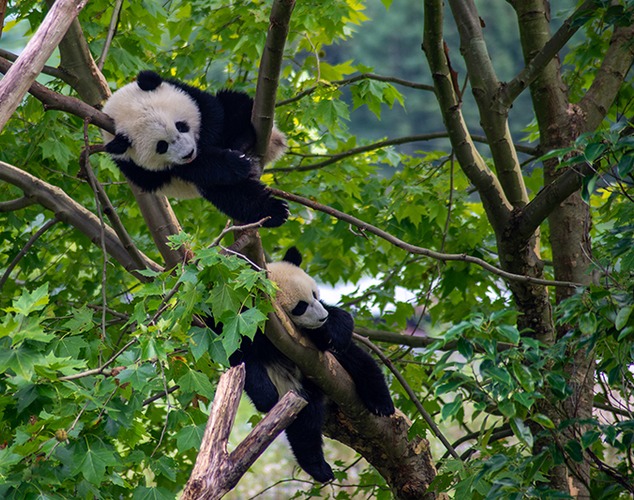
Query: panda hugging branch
{"type": "Point", "coordinates": [180, 141]}
{"type": "Point", "coordinates": [270, 374]}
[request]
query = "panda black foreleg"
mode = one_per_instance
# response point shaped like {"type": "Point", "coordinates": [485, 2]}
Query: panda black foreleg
{"type": "Point", "coordinates": [248, 201]}
{"type": "Point", "coordinates": [216, 166]}
{"type": "Point", "coordinates": [335, 334]}
{"type": "Point", "coordinates": [368, 379]}
{"type": "Point", "coordinates": [304, 436]}
{"type": "Point", "coordinates": [147, 180]}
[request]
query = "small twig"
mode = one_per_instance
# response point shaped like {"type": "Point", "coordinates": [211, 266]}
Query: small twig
{"type": "Point", "coordinates": [160, 395]}
{"type": "Point", "coordinates": [228, 229]}
{"type": "Point", "coordinates": [419, 250]}
{"type": "Point", "coordinates": [411, 394]}
{"type": "Point", "coordinates": [101, 369]}
{"type": "Point", "coordinates": [111, 32]}
{"type": "Point", "coordinates": [50, 223]}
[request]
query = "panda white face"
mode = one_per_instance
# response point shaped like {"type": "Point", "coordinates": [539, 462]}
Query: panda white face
{"type": "Point", "coordinates": [298, 295]}
{"type": "Point", "coordinates": [162, 125]}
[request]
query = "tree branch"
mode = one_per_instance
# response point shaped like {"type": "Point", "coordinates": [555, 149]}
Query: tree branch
{"type": "Point", "coordinates": [354, 79]}
{"type": "Point", "coordinates": [610, 77]}
{"type": "Point", "coordinates": [495, 203]}
{"type": "Point", "coordinates": [68, 210]}
{"type": "Point", "coordinates": [485, 84]}
{"type": "Point", "coordinates": [269, 73]}
{"type": "Point", "coordinates": [216, 471]}
{"type": "Point", "coordinates": [511, 90]}
{"type": "Point", "coordinates": [444, 257]}
{"type": "Point", "coordinates": [37, 51]}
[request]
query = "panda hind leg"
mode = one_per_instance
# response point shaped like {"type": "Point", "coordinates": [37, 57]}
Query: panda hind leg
{"type": "Point", "coordinates": [259, 387]}
{"type": "Point", "coordinates": [304, 436]}
{"type": "Point", "coordinates": [368, 379]}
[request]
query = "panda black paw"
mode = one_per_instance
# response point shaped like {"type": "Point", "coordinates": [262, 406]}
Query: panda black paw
{"type": "Point", "coordinates": [239, 165]}
{"type": "Point", "coordinates": [383, 408]}
{"type": "Point", "coordinates": [278, 212]}
{"type": "Point", "coordinates": [320, 472]}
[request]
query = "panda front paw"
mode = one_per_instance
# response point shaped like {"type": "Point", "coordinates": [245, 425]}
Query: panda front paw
{"type": "Point", "coordinates": [241, 165]}
{"type": "Point", "coordinates": [278, 212]}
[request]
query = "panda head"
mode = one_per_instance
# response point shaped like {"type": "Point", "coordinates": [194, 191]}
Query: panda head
{"type": "Point", "coordinates": [157, 124]}
{"type": "Point", "coordinates": [298, 293]}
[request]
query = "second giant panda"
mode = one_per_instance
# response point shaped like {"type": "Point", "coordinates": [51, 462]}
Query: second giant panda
{"type": "Point", "coordinates": [270, 374]}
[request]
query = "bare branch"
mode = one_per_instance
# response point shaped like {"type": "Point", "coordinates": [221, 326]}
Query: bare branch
{"type": "Point", "coordinates": [17, 204]}
{"type": "Point", "coordinates": [37, 51]}
{"type": "Point", "coordinates": [102, 368]}
{"type": "Point", "coordinates": [364, 226]}
{"type": "Point", "coordinates": [114, 20]}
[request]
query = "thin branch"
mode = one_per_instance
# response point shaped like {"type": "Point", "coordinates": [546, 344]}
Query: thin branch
{"type": "Point", "coordinates": [37, 51]}
{"type": "Point", "coordinates": [354, 79]}
{"type": "Point", "coordinates": [364, 226]}
{"type": "Point", "coordinates": [411, 394]}
{"type": "Point", "coordinates": [114, 20]}
{"type": "Point", "coordinates": [47, 70]}
{"type": "Point", "coordinates": [17, 204]}
{"type": "Point", "coordinates": [53, 100]}
{"type": "Point", "coordinates": [102, 368]}
{"type": "Point", "coordinates": [108, 207]}
{"type": "Point", "coordinates": [50, 223]}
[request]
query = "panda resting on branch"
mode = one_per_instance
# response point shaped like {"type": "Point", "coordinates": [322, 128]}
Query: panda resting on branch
{"type": "Point", "coordinates": [270, 374]}
{"type": "Point", "coordinates": [180, 141]}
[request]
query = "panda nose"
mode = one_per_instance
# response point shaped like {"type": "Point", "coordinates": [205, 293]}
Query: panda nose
{"type": "Point", "coordinates": [323, 320]}
{"type": "Point", "coordinates": [189, 156]}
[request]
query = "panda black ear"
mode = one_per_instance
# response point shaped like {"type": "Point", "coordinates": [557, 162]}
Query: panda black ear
{"type": "Point", "coordinates": [118, 145]}
{"type": "Point", "coordinates": [148, 80]}
{"type": "Point", "coordinates": [293, 256]}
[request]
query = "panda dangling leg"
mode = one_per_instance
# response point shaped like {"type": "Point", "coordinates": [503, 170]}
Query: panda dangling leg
{"type": "Point", "coordinates": [368, 380]}
{"type": "Point", "coordinates": [304, 435]}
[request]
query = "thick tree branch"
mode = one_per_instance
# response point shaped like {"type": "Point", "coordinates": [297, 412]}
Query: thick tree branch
{"type": "Point", "coordinates": [485, 84]}
{"type": "Point", "coordinates": [216, 471]}
{"type": "Point", "coordinates": [71, 212]}
{"type": "Point", "coordinates": [39, 48]}
{"type": "Point", "coordinates": [617, 62]}
{"type": "Point", "coordinates": [444, 257]}
{"type": "Point", "coordinates": [269, 72]}
{"type": "Point", "coordinates": [511, 90]}
{"type": "Point", "coordinates": [496, 204]}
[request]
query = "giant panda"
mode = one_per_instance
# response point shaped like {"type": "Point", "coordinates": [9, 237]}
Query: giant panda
{"type": "Point", "coordinates": [270, 374]}
{"type": "Point", "coordinates": [180, 141]}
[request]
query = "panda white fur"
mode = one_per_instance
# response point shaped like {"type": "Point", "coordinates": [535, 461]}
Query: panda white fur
{"type": "Point", "coordinates": [269, 374]}
{"type": "Point", "coordinates": [180, 141]}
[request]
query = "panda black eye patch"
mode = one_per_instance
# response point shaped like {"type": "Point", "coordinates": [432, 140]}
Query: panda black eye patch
{"type": "Point", "coordinates": [300, 308]}
{"type": "Point", "coordinates": [182, 127]}
{"type": "Point", "coordinates": [161, 147]}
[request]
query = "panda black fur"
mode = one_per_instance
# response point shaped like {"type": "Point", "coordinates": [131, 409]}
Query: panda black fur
{"type": "Point", "coordinates": [269, 374]}
{"type": "Point", "coordinates": [180, 141]}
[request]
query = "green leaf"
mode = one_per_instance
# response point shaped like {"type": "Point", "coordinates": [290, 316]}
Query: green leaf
{"type": "Point", "coordinates": [30, 301]}
{"type": "Point", "coordinates": [197, 383]}
{"type": "Point", "coordinates": [543, 420]}
{"type": "Point", "coordinates": [137, 376]}
{"type": "Point", "coordinates": [521, 431]}
{"type": "Point", "coordinates": [588, 323]}
{"type": "Point", "coordinates": [575, 451]}
{"type": "Point", "coordinates": [190, 437]}
{"type": "Point", "coordinates": [19, 360]}
{"type": "Point", "coordinates": [94, 461]}
{"type": "Point", "coordinates": [524, 376]}
{"type": "Point", "coordinates": [155, 493]}
{"type": "Point", "coordinates": [623, 317]}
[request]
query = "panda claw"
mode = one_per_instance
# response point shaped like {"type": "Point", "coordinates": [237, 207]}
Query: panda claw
{"type": "Point", "coordinates": [278, 213]}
